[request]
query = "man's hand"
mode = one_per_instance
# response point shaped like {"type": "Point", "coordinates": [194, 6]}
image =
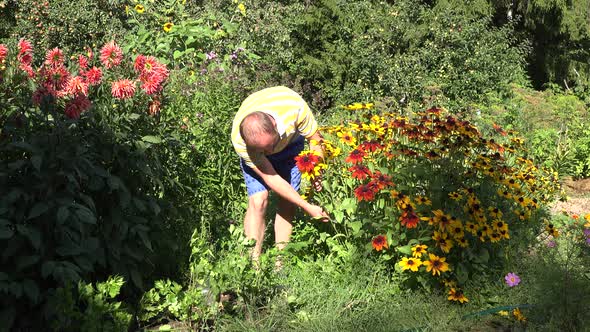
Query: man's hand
{"type": "Point", "coordinates": [317, 213]}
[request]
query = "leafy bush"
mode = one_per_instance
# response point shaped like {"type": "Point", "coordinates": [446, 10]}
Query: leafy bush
{"type": "Point", "coordinates": [553, 124]}
{"type": "Point", "coordinates": [186, 35]}
{"type": "Point", "coordinates": [340, 51]}
{"type": "Point", "coordinates": [223, 278]}
{"type": "Point", "coordinates": [100, 313]}
{"type": "Point", "coordinates": [69, 25]}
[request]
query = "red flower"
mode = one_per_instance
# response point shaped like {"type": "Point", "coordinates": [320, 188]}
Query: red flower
{"type": "Point", "coordinates": [54, 58]}
{"type": "Point", "coordinates": [123, 89]}
{"type": "Point", "coordinates": [111, 55]}
{"type": "Point", "coordinates": [139, 63]}
{"type": "Point", "coordinates": [408, 152]}
{"type": "Point", "coordinates": [25, 52]}
{"type": "Point", "coordinates": [150, 85]}
{"type": "Point", "coordinates": [499, 129]}
{"type": "Point", "coordinates": [382, 180]}
{"type": "Point", "coordinates": [56, 78]}
{"type": "Point", "coordinates": [434, 111]}
{"type": "Point", "coordinates": [370, 146]}
{"type": "Point", "coordinates": [76, 86]}
{"type": "Point", "coordinates": [409, 219]}
{"type": "Point", "coordinates": [76, 106]}
{"type": "Point", "coordinates": [28, 69]}
{"type": "Point", "coordinates": [380, 242]}
{"type": "Point", "coordinates": [82, 62]}
{"type": "Point", "coordinates": [307, 162]}
{"type": "Point", "coordinates": [154, 107]}
{"type": "Point", "coordinates": [151, 73]}
{"type": "Point", "coordinates": [93, 75]}
{"type": "Point", "coordinates": [365, 192]}
{"type": "Point", "coordinates": [399, 123]}
{"type": "Point", "coordinates": [38, 95]}
{"type": "Point", "coordinates": [360, 172]}
{"type": "Point", "coordinates": [355, 156]}
{"type": "Point", "coordinates": [3, 52]}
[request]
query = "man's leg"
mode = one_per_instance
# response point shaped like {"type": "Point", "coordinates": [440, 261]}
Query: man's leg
{"type": "Point", "coordinates": [283, 219]}
{"type": "Point", "coordinates": [254, 225]}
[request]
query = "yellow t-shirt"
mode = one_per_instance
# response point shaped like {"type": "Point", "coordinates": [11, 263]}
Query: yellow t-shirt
{"type": "Point", "coordinates": [290, 112]}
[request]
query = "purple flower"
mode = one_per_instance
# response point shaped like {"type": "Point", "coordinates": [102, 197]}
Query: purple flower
{"type": "Point", "coordinates": [211, 55]}
{"type": "Point", "coordinates": [551, 244]}
{"type": "Point", "coordinates": [587, 231]}
{"type": "Point", "coordinates": [588, 240]}
{"type": "Point", "coordinates": [512, 279]}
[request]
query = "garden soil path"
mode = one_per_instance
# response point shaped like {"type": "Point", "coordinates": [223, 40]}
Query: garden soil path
{"type": "Point", "coordinates": [578, 193]}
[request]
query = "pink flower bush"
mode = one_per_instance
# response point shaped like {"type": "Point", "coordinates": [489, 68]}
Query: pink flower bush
{"type": "Point", "coordinates": [55, 83]}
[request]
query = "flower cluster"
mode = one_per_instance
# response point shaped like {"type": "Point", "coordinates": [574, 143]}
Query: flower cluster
{"type": "Point", "coordinates": [309, 164]}
{"type": "Point", "coordinates": [358, 106]}
{"type": "Point", "coordinates": [151, 73]}
{"type": "Point", "coordinates": [489, 186]}
{"type": "Point", "coordinates": [55, 82]}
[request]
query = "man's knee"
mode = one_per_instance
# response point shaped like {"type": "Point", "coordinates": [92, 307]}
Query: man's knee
{"type": "Point", "coordinates": [258, 201]}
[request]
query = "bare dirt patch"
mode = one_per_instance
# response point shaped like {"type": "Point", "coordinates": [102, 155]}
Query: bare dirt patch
{"type": "Point", "coordinates": [578, 193]}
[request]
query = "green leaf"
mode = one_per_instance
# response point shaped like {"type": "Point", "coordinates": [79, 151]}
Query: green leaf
{"type": "Point", "coordinates": [30, 233]}
{"type": "Point", "coordinates": [62, 215]}
{"type": "Point", "coordinates": [177, 54]}
{"type": "Point", "coordinates": [165, 327]}
{"type": "Point", "coordinates": [136, 278]}
{"type": "Point", "coordinates": [152, 139]}
{"type": "Point", "coordinates": [47, 268]}
{"type": "Point", "coordinates": [483, 256]}
{"type": "Point", "coordinates": [68, 249]}
{"type": "Point", "coordinates": [355, 226]}
{"type": "Point", "coordinates": [36, 161]}
{"type": "Point", "coordinates": [462, 274]}
{"type": "Point", "coordinates": [31, 290]}
{"type": "Point", "coordinates": [145, 239]}
{"type": "Point", "coordinates": [23, 262]}
{"type": "Point", "coordinates": [338, 216]}
{"type": "Point", "coordinates": [85, 215]}
{"type": "Point", "coordinates": [407, 249]}
{"type": "Point", "coordinates": [38, 209]}
{"type": "Point", "coordinates": [6, 232]}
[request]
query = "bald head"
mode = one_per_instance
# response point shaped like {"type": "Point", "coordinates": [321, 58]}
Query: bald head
{"type": "Point", "coordinates": [255, 126]}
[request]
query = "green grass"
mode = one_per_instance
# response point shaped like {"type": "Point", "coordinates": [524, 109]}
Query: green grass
{"type": "Point", "coordinates": [357, 296]}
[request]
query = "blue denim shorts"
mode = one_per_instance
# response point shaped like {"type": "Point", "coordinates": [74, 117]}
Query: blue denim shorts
{"type": "Point", "coordinates": [283, 163]}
